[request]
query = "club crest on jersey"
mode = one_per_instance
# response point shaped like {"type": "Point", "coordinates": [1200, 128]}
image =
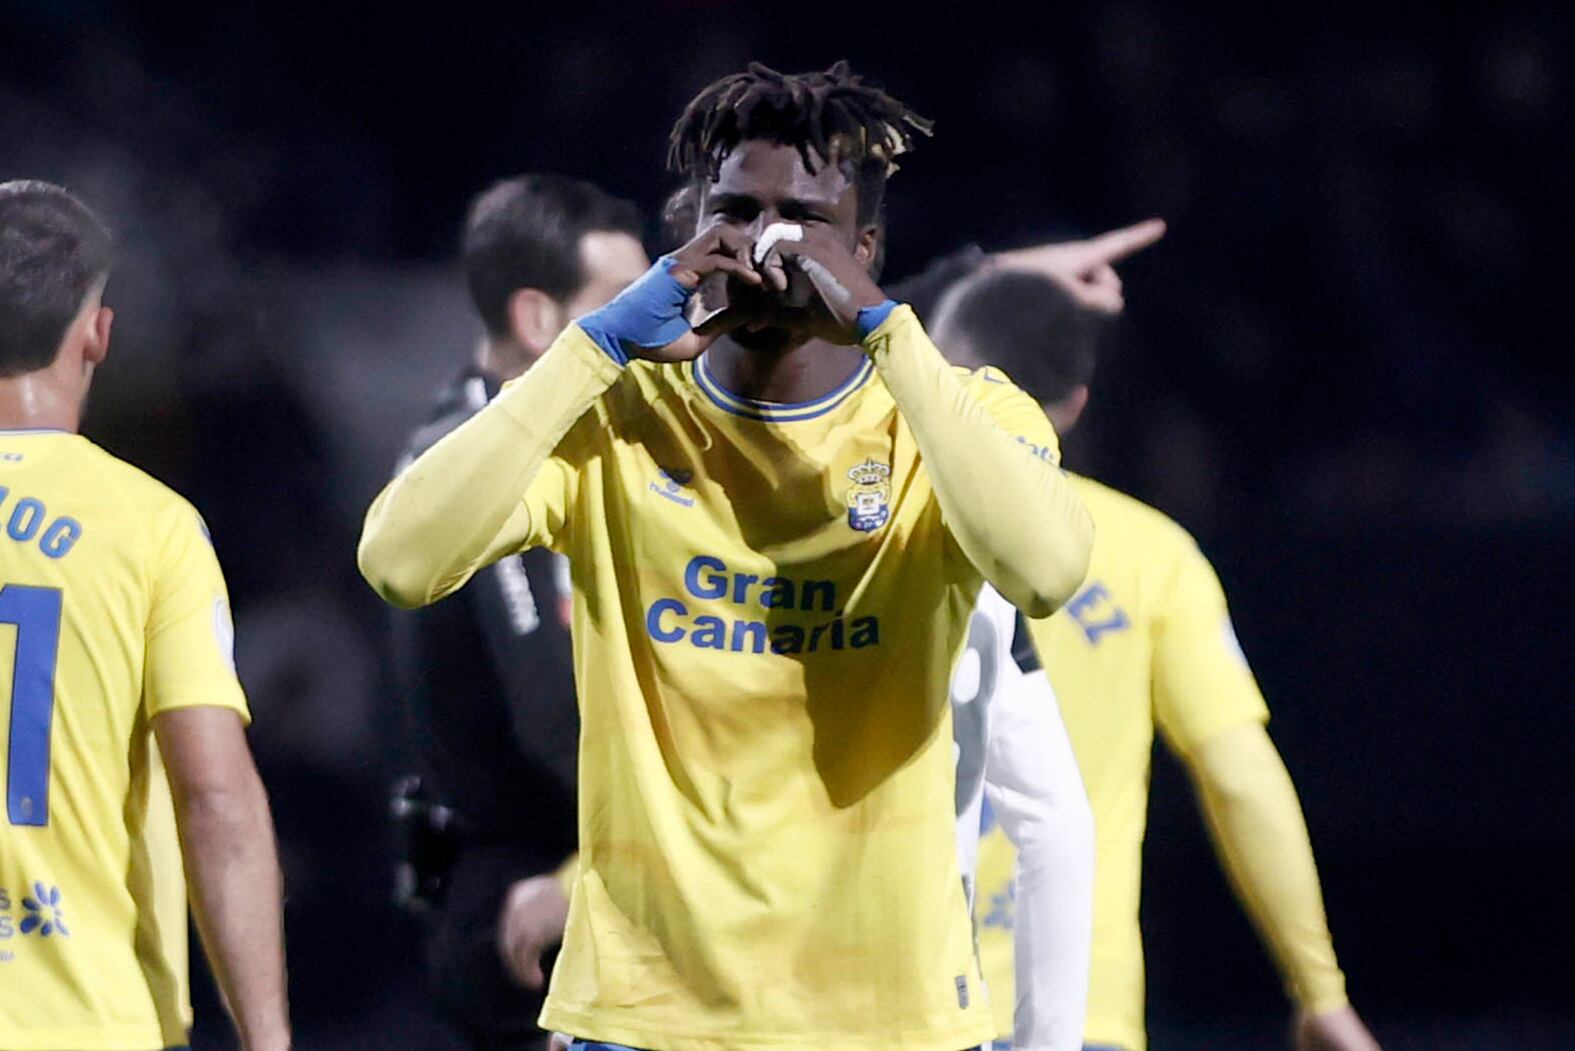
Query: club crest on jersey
{"type": "Point", "coordinates": [869, 501]}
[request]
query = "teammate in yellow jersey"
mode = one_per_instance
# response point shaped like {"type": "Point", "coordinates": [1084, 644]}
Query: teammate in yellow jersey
{"type": "Point", "coordinates": [1147, 642]}
{"type": "Point", "coordinates": [775, 546]}
{"type": "Point", "coordinates": [116, 687]}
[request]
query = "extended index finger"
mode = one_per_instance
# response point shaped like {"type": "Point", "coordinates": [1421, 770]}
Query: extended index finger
{"type": "Point", "coordinates": [1118, 244]}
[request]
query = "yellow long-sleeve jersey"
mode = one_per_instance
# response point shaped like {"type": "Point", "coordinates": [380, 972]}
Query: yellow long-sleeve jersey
{"type": "Point", "coordinates": [768, 600]}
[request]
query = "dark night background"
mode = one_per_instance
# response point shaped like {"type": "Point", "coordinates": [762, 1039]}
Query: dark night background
{"type": "Point", "coordinates": [1347, 369]}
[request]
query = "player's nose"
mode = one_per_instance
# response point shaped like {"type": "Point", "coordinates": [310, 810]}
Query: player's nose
{"type": "Point", "coordinates": [765, 218]}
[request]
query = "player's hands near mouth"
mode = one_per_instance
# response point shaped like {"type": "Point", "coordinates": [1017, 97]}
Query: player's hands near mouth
{"type": "Point", "coordinates": [646, 320]}
{"type": "Point", "coordinates": [842, 284]}
{"type": "Point", "coordinates": [717, 247]}
{"type": "Point", "coordinates": [1336, 1030]}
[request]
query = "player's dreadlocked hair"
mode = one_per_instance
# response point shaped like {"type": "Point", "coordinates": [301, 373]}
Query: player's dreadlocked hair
{"type": "Point", "coordinates": [830, 117]}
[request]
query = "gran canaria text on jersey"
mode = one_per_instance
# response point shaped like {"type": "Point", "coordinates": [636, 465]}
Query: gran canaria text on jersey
{"type": "Point", "coordinates": [668, 619]}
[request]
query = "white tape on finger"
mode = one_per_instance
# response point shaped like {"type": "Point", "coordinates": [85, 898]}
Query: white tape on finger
{"type": "Point", "coordinates": [836, 294]}
{"type": "Point", "coordinates": [774, 233]}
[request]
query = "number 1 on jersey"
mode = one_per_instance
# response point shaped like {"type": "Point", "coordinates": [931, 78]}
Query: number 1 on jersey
{"type": "Point", "coordinates": [36, 614]}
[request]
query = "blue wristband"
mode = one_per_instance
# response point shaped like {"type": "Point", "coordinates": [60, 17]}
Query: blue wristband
{"type": "Point", "coordinates": [871, 318]}
{"type": "Point", "coordinates": [649, 313]}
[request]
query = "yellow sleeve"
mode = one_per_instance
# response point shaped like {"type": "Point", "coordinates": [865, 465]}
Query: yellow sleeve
{"type": "Point", "coordinates": [1209, 708]}
{"type": "Point", "coordinates": [497, 484]}
{"type": "Point", "coordinates": [1261, 836]}
{"type": "Point", "coordinates": [1202, 683]}
{"type": "Point", "coordinates": [992, 459]}
{"type": "Point", "coordinates": [190, 637]}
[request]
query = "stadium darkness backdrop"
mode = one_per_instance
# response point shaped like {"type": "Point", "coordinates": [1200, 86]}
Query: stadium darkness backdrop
{"type": "Point", "coordinates": [1346, 369]}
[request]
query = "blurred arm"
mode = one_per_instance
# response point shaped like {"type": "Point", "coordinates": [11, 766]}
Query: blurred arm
{"type": "Point", "coordinates": [1210, 709]}
{"type": "Point", "coordinates": [1036, 792]}
{"type": "Point", "coordinates": [534, 915]}
{"type": "Point", "coordinates": [1010, 509]}
{"type": "Point", "coordinates": [461, 505]}
{"type": "Point", "coordinates": [1085, 269]}
{"type": "Point", "coordinates": [231, 864]}
{"type": "Point", "coordinates": [1261, 837]}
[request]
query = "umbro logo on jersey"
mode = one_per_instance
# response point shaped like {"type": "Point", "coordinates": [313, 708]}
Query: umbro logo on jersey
{"type": "Point", "coordinates": [673, 482]}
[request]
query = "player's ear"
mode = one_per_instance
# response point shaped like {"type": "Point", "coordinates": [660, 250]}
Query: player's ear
{"type": "Point", "coordinates": [535, 319]}
{"type": "Point", "coordinates": [867, 247]}
{"type": "Point", "coordinates": [95, 347]}
{"type": "Point", "coordinates": [1065, 413]}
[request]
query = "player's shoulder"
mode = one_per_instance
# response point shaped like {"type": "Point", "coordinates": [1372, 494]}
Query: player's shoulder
{"type": "Point", "coordinates": [136, 492]}
{"type": "Point", "coordinates": [1140, 526]}
{"type": "Point", "coordinates": [1013, 408]}
{"type": "Point", "coordinates": [130, 482]}
{"type": "Point", "coordinates": [989, 382]}
{"type": "Point", "coordinates": [454, 404]}
{"type": "Point", "coordinates": [641, 382]}
{"type": "Point", "coordinates": [643, 376]}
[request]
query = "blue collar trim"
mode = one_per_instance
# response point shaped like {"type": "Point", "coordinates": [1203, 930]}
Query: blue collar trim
{"type": "Point", "coordinates": [777, 411]}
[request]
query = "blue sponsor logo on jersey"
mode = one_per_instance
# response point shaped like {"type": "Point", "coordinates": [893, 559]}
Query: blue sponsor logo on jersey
{"type": "Point", "coordinates": [27, 521]}
{"type": "Point", "coordinates": [1097, 613]}
{"type": "Point", "coordinates": [668, 620]}
{"type": "Point", "coordinates": [41, 915]}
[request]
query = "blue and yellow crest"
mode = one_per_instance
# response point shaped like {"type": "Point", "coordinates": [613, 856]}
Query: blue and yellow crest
{"type": "Point", "coordinates": [869, 501]}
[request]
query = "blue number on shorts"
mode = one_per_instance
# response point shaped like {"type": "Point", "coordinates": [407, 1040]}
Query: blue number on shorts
{"type": "Point", "coordinates": [36, 614]}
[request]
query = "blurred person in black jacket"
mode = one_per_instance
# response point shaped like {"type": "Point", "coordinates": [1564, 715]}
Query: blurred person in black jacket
{"type": "Point", "coordinates": [487, 678]}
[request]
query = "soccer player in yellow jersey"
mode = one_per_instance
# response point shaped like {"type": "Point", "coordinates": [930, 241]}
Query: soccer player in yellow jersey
{"type": "Point", "coordinates": [776, 540]}
{"type": "Point", "coordinates": [1147, 643]}
{"type": "Point", "coordinates": [116, 690]}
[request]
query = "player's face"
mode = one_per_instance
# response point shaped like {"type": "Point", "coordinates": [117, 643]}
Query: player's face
{"type": "Point", "coordinates": [611, 261]}
{"type": "Point", "coordinates": [761, 183]}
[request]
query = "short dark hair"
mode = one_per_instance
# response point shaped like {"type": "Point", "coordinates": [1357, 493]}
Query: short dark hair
{"type": "Point", "coordinates": [525, 232]}
{"type": "Point", "coordinates": [830, 117]}
{"type": "Point", "coordinates": [53, 251]}
{"type": "Point", "coordinates": [1025, 323]}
